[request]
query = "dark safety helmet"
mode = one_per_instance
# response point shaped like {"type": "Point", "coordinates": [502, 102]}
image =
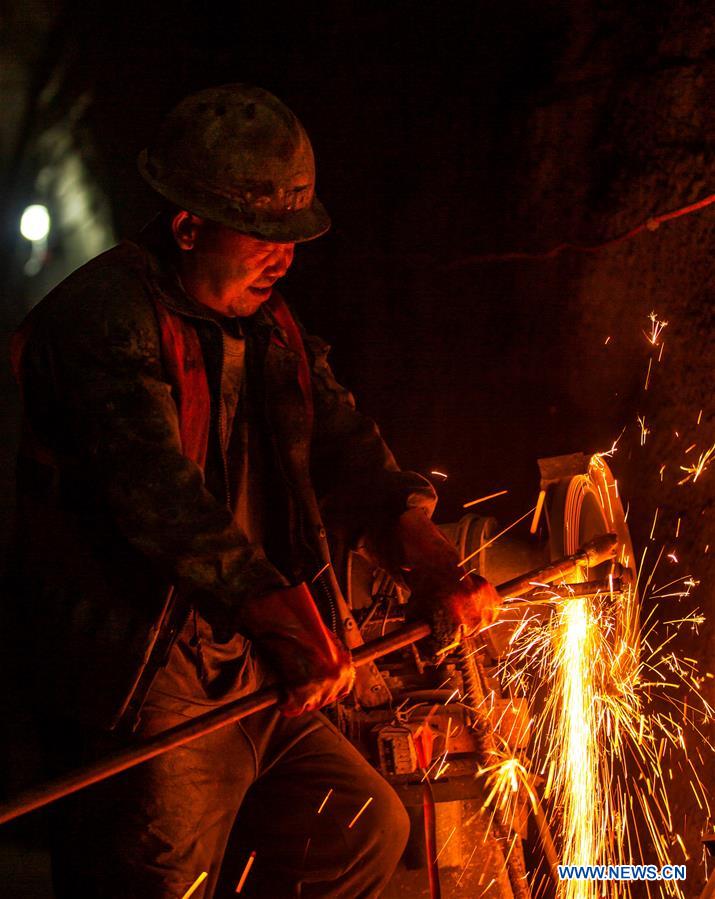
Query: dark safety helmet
{"type": "Point", "coordinates": [236, 155]}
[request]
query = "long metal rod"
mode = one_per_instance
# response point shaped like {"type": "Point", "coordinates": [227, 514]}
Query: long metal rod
{"type": "Point", "coordinates": [57, 788]}
{"type": "Point", "coordinates": [590, 554]}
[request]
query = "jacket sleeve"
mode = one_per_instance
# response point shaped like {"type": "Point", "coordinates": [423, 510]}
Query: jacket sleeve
{"type": "Point", "coordinates": [96, 395]}
{"type": "Point", "coordinates": [360, 487]}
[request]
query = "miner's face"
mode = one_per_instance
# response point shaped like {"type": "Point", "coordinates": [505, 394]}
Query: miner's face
{"type": "Point", "coordinates": [227, 271]}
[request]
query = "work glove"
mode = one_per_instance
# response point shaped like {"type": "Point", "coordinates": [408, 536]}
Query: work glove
{"type": "Point", "coordinates": [314, 668]}
{"type": "Point", "coordinates": [454, 603]}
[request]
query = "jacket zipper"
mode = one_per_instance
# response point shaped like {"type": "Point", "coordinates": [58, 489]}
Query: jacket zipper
{"type": "Point", "coordinates": [223, 425]}
{"type": "Point", "coordinates": [321, 581]}
{"type": "Point", "coordinates": [224, 459]}
{"type": "Point", "coordinates": [328, 593]}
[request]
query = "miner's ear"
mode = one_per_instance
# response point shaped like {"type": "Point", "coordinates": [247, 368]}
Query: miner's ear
{"type": "Point", "coordinates": [185, 227]}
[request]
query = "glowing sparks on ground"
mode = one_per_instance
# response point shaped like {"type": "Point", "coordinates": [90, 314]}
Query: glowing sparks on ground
{"type": "Point", "coordinates": [350, 825]}
{"type": "Point", "coordinates": [249, 864]}
{"type": "Point", "coordinates": [693, 472]}
{"type": "Point", "coordinates": [483, 499]}
{"type": "Point", "coordinates": [195, 885]}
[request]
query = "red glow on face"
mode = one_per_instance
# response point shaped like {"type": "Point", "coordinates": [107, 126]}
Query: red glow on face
{"type": "Point", "coordinates": [231, 272]}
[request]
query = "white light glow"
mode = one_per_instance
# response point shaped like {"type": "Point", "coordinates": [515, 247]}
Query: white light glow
{"type": "Point", "coordinates": [35, 223]}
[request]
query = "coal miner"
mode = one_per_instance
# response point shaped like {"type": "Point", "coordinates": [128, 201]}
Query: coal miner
{"type": "Point", "coordinates": [186, 456]}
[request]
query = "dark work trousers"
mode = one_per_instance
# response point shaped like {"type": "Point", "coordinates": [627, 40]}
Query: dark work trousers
{"type": "Point", "coordinates": [290, 790]}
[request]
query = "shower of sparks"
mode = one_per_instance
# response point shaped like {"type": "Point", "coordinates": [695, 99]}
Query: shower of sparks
{"type": "Point", "coordinates": [608, 750]}
{"type": "Point", "coordinates": [693, 472]}
{"type": "Point", "coordinates": [575, 645]}
{"type": "Point", "coordinates": [610, 728]}
{"type": "Point", "coordinates": [440, 474]}
{"type": "Point", "coordinates": [656, 328]}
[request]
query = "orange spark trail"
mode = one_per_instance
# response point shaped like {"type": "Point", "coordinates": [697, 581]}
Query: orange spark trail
{"type": "Point", "coordinates": [359, 813]}
{"type": "Point", "coordinates": [496, 536]}
{"type": "Point", "coordinates": [656, 328]}
{"type": "Point", "coordinates": [693, 472]}
{"type": "Point", "coordinates": [195, 885]}
{"type": "Point", "coordinates": [249, 865]}
{"type": "Point", "coordinates": [483, 499]}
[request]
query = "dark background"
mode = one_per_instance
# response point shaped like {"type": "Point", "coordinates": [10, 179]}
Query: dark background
{"type": "Point", "coordinates": [441, 132]}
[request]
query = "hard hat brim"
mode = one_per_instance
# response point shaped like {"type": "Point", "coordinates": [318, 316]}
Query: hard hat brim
{"type": "Point", "coordinates": [294, 227]}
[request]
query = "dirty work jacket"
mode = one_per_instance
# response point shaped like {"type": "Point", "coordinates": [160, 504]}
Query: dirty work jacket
{"type": "Point", "coordinates": [113, 509]}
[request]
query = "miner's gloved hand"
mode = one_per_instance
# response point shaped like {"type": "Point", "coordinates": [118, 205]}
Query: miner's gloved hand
{"type": "Point", "coordinates": [313, 666]}
{"type": "Point", "coordinates": [455, 604]}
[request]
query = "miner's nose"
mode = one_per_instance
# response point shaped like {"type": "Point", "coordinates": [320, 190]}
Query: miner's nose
{"type": "Point", "coordinates": [280, 260]}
